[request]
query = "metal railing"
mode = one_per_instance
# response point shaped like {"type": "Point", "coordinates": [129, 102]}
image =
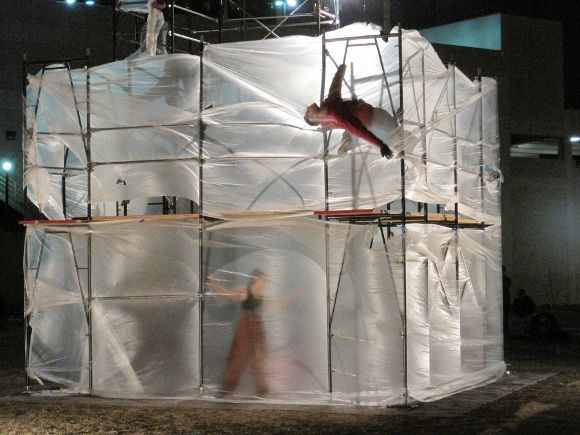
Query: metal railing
{"type": "Point", "coordinates": [11, 193]}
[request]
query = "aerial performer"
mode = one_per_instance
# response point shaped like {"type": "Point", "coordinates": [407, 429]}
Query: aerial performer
{"type": "Point", "coordinates": [354, 116]}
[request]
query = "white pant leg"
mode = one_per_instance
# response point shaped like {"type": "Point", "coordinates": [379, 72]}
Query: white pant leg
{"type": "Point", "coordinates": [384, 126]}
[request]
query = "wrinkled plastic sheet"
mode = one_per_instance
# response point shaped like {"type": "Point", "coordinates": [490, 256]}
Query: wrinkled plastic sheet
{"type": "Point", "coordinates": [148, 134]}
{"type": "Point", "coordinates": [125, 299]}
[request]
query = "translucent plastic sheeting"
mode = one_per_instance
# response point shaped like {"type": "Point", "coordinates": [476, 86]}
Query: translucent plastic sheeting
{"type": "Point", "coordinates": [453, 309]}
{"type": "Point", "coordinates": [257, 151]}
{"type": "Point", "coordinates": [133, 5]}
{"type": "Point", "coordinates": [116, 309]}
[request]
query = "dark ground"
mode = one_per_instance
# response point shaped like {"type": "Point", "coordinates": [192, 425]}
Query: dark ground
{"type": "Point", "coordinates": [541, 395]}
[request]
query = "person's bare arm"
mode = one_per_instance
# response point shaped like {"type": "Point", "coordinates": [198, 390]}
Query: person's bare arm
{"type": "Point", "coordinates": [235, 293]}
{"type": "Point", "coordinates": [334, 92]}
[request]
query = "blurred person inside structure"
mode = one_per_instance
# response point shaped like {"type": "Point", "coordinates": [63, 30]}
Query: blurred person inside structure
{"type": "Point", "coordinates": [248, 348]}
{"type": "Point", "coordinates": [523, 308]}
{"type": "Point", "coordinates": [354, 116]}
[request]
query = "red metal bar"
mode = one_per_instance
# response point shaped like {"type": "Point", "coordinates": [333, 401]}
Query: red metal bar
{"type": "Point", "coordinates": [49, 222]}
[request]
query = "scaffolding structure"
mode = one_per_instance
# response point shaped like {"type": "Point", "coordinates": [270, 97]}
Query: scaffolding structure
{"type": "Point", "coordinates": [228, 20]}
{"type": "Point", "coordinates": [204, 223]}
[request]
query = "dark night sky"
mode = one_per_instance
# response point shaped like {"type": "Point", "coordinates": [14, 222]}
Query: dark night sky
{"type": "Point", "coordinates": [426, 13]}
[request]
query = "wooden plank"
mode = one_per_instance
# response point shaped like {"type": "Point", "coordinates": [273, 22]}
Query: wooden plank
{"type": "Point", "coordinates": [150, 217]}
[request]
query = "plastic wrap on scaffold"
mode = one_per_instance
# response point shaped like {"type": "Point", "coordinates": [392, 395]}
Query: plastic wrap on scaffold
{"type": "Point", "coordinates": [122, 300]}
{"type": "Point", "coordinates": [144, 138]}
{"type": "Point", "coordinates": [258, 153]}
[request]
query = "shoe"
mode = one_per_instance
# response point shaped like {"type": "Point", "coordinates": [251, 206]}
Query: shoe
{"type": "Point", "coordinates": [346, 144]}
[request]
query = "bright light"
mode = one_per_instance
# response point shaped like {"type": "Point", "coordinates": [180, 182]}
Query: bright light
{"type": "Point", "coordinates": [278, 3]}
{"type": "Point", "coordinates": [574, 139]}
{"type": "Point", "coordinates": [70, 2]}
{"type": "Point", "coordinates": [90, 2]}
{"type": "Point", "coordinates": [291, 3]}
{"type": "Point", "coordinates": [6, 166]}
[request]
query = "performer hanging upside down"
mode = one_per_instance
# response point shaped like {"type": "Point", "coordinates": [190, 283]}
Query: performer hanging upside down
{"type": "Point", "coordinates": [355, 116]}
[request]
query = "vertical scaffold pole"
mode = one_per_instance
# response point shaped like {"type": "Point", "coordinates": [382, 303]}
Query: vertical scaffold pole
{"type": "Point", "coordinates": [88, 133]}
{"type": "Point", "coordinates": [221, 10]}
{"type": "Point", "coordinates": [455, 152]}
{"type": "Point", "coordinates": [482, 186]}
{"type": "Point", "coordinates": [456, 188]}
{"type": "Point", "coordinates": [244, 25]}
{"type": "Point", "coordinates": [326, 223]}
{"type": "Point", "coordinates": [172, 27]}
{"type": "Point", "coordinates": [89, 218]}
{"type": "Point", "coordinates": [403, 213]}
{"type": "Point", "coordinates": [26, 265]}
{"type": "Point", "coordinates": [481, 156]}
{"type": "Point", "coordinates": [115, 31]}
{"type": "Point", "coordinates": [318, 23]}
{"type": "Point", "coordinates": [424, 129]}
{"type": "Point", "coordinates": [200, 218]}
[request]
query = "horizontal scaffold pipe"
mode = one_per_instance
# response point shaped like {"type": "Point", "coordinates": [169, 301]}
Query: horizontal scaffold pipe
{"type": "Point", "coordinates": [199, 14]}
{"type": "Point", "coordinates": [354, 38]}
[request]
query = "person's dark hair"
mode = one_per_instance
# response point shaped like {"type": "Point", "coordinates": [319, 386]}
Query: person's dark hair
{"type": "Point", "coordinates": [308, 121]}
{"type": "Point", "coordinates": [257, 273]}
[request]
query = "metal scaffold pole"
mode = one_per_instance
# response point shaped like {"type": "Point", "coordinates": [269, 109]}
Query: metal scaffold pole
{"type": "Point", "coordinates": [403, 213]}
{"type": "Point", "coordinates": [200, 218]}
{"type": "Point", "coordinates": [482, 186]}
{"type": "Point", "coordinates": [326, 229]}
{"type": "Point", "coordinates": [89, 218]}
{"type": "Point", "coordinates": [26, 265]}
{"type": "Point", "coordinates": [456, 187]}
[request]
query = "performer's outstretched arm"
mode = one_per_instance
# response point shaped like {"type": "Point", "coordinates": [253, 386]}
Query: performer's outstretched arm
{"type": "Point", "coordinates": [334, 92]}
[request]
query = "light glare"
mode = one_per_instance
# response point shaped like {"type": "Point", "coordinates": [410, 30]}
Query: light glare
{"type": "Point", "coordinates": [6, 166]}
{"type": "Point", "coordinates": [291, 3]}
{"type": "Point", "coordinates": [574, 139]}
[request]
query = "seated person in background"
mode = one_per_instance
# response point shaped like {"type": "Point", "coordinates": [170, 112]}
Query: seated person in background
{"type": "Point", "coordinates": [544, 326]}
{"type": "Point", "coordinates": [523, 308]}
{"type": "Point", "coordinates": [354, 116]}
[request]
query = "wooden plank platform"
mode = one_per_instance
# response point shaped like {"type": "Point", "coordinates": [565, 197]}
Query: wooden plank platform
{"type": "Point", "coordinates": [98, 219]}
{"type": "Point", "coordinates": [362, 216]}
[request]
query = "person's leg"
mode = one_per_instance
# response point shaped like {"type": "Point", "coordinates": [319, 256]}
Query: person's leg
{"type": "Point", "coordinates": [238, 356]}
{"type": "Point", "coordinates": [346, 144]}
{"type": "Point", "coordinates": [259, 361]}
{"type": "Point", "coordinates": [384, 126]}
{"type": "Point", "coordinates": [162, 39]}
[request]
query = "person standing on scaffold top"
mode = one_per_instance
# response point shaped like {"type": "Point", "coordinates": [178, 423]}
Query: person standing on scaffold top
{"type": "Point", "coordinates": [355, 116]}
